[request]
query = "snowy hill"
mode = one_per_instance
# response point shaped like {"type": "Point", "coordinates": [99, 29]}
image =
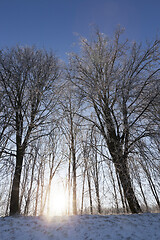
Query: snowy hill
{"type": "Point", "coordinates": [117, 227]}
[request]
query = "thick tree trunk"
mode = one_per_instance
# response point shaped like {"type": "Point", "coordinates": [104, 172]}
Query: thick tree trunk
{"type": "Point", "coordinates": [14, 203]}
{"type": "Point", "coordinates": [119, 158]}
{"type": "Point", "coordinates": [123, 172]}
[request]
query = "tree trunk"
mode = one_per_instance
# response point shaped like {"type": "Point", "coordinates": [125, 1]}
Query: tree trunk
{"type": "Point", "coordinates": [153, 189]}
{"type": "Point", "coordinates": [49, 198]}
{"type": "Point", "coordinates": [114, 187]}
{"type": "Point", "coordinates": [121, 192]}
{"type": "Point", "coordinates": [14, 203]}
{"type": "Point", "coordinates": [90, 192]}
{"type": "Point", "coordinates": [96, 181]}
{"type": "Point", "coordinates": [73, 152]}
{"type": "Point", "coordinates": [69, 183]}
{"type": "Point", "coordinates": [9, 196]}
{"type": "Point", "coordinates": [120, 162]}
{"type": "Point", "coordinates": [84, 177]}
{"type": "Point", "coordinates": [37, 193]}
{"type": "Point", "coordinates": [23, 184]}
{"type": "Point", "coordinates": [74, 186]}
{"type": "Point", "coordinates": [143, 195]}
{"type": "Point", "coordinates": [42, 203]}
{"type": "Point", "coordinates": [123, 172]}
{"type": "Point", "coordinates": [141, 188]}
{"type": "Point", "coordinates": [30, 188]}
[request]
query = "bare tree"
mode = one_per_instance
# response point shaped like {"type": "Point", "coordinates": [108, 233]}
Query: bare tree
{"type": "Point", "coordinates": [119, 82]}
{"type": "Point", "coordinates": [70, 125]}
{"type": "Point", "coordinates": [95, 167]}
{"type": "Point", "coordinates": [27, 78]}
{"type": "Point", "coordinates": [51, 146]}
{"type": "Point", "coordinates": [5, 116]}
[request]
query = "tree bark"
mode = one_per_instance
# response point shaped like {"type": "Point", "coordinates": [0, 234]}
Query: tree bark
{"type": "Point", "coordinates": [123, 172]}
{"type": "Point", "coordinates": [14, 204]}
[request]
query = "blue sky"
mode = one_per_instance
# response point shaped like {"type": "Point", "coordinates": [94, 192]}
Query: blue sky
{"type": "Point", "coordinates": [53, 24]}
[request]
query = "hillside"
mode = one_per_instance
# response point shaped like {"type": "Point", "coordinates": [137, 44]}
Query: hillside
{"type": "Point", "coordinates": [89, 227]}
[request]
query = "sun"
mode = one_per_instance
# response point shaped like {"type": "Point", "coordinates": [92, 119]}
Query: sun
{"type": "Point", "coordinates": [58, 203]}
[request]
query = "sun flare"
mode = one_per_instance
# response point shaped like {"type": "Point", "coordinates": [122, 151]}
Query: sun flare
{"type": "Point", "coordinates": [57, 203]}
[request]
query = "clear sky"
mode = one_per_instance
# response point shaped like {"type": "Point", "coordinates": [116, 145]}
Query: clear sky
{"type": "Point", "coordinates": [52, 24]}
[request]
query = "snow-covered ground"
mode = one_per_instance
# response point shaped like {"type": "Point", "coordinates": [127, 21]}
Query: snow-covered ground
{"type": "Point", "coordinates": [96, 227]}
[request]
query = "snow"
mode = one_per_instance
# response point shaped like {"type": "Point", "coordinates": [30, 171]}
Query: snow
{"type": "Point", "coordinates": [90, 227]}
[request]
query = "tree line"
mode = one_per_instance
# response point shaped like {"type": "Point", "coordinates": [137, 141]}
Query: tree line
{"type": "Point", "coordinates": [95, 117]}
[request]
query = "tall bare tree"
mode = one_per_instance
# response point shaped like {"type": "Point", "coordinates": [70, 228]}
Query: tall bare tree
{"type": "Point", "coordinates": [27, 78]}
{"type": "Point", "coordinates": [119, 81]}
{"type": "Point", "coordinates": [70, 105]}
